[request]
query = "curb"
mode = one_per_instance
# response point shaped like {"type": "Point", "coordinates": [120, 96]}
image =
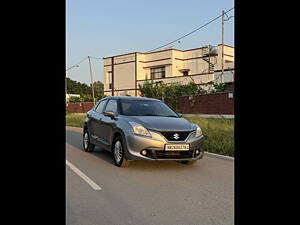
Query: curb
{"type": "Point", "coordinates": [75, 128]}
{"type": "Point", "coordinates": [214, 155]}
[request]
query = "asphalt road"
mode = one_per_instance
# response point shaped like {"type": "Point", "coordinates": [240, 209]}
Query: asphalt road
{"type": "Point", "coordinates": [146, 193]}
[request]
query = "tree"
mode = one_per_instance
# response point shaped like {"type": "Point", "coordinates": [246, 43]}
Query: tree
{"type": "Point", "coordinates": [84, 90]}
{"type": "Point", "coordinates": [99, 90]}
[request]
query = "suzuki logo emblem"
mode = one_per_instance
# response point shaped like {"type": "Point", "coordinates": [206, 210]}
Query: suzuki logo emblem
{"type": "Point", "coordinates": [176, 136]}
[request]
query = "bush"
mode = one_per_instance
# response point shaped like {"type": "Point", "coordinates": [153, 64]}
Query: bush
{"type": "Point", "coordinates": [73, 99]}
{"type": "Point", "coordinates": [172, 92]}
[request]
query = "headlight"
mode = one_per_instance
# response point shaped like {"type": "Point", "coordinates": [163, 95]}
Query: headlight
{"type": "Point", "coordinates": [139, 129]}
{"type": "Point", "coordinates": [198, 131]}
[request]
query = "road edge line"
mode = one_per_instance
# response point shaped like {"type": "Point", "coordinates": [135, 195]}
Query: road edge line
{"type": "Point", "coordinates": [83, 176]}
{"type": "Point", "coordinates": [219, 156]}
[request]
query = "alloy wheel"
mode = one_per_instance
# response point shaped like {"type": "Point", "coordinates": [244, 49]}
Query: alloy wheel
{"type": "Point", "coordinates": [118, 152]}
{"type": "Point", "coordinates": [86, 140]}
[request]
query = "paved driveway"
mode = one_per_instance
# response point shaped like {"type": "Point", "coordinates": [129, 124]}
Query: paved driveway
{"type": "Point", "coordinates": [146, 193]}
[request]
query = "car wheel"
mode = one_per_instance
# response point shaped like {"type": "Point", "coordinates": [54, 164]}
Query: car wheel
{"type": "Point", "coordinates": [188, 162]}
{"type": "Point", "coordinates": [87, 146]}
{"type": "Point", "coordinates": [119, 154]}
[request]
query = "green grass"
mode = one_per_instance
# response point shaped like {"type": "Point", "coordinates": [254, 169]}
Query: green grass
{"type": "Point", "coordinates": [219, 133]}
{"type": "Point", "coordinates": [75, 119]}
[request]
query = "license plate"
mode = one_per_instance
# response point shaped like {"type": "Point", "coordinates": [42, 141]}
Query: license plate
{"type": "Point", "coordinates": [177, 147]}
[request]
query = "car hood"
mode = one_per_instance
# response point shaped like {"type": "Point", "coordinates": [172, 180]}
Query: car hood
{"type": "Point", "coordinates": [160, 123]}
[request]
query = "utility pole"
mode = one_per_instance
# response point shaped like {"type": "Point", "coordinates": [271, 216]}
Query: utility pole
{"type": "Point", "coordinates": [66, 90]}
{"type": "Point", "coordinates": [112, 77]}
{"type": "Point", "coordinates": [92, 80]}
{"type": "Point", "coordinates": [209, 58]}
{"type": "Point", "coordinates": [222, 75]}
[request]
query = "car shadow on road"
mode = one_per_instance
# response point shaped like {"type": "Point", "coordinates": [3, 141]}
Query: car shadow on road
{"type": "Point", "coordinates": [103, 155]}
{"type": "Point", "coordinates": [74, 138]}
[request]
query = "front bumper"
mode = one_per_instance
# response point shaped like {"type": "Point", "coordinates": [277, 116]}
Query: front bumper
{"type": "Point", "coordinates": [155, 147]}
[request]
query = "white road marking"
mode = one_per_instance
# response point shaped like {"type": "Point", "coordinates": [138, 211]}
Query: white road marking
{"type": "Point", "coordinates": [83, 176]}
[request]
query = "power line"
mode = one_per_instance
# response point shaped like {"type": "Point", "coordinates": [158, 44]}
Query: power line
{"type": "Point", "coordinates": [92, 57]}
{"type": "Point", "coordinates": [190, 32]}
{"type": "Point", "coordinates": [76, 65]}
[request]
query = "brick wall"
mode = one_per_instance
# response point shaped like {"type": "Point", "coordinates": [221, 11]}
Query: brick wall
{"type": "Point", "coordinates": [217, 103]}
{"type": "Point", "coordinates": [79, 107]}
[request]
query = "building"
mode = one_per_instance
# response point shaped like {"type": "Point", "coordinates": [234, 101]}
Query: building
{"type": "Point", "coordinates": [68, 96]}
{"type": "Point", "coordinates": [123, 73]}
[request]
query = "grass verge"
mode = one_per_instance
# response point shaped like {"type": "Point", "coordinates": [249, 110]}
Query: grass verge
{"type": "Point", "coordinates": [218, 132]}
{"type": "Point", "coordinates": [75, 119]}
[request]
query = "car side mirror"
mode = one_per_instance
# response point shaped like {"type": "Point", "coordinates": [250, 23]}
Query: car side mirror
{"type": "Point", "coordinates": [179, 114]}
{"type": "Point", "coordinates": [109, 114]}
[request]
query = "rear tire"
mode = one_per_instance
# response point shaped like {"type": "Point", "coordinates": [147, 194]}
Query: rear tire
{"type": "Point", "coordinates": [87, 146]}
{"type": "Point", "coordinates": [119, 153]}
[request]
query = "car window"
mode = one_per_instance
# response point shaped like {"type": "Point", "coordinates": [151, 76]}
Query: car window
{"type": "Point", "coordinates": [100, 106]}
{"type": "Point", "coordinates": [146, 108]}
{"type": "Point", "coordinates": [112, 106]}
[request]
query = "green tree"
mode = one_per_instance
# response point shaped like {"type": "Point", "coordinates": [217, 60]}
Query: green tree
{"type": "Point", "coordinates": [99, 90]}
{"type": "Point", "coordinates": [84, 90]}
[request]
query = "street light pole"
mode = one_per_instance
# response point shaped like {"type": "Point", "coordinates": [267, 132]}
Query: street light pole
{"type": "Point", "coordinates": [92, 80]}
{"type": "Point", "coordinates": [72, 67]}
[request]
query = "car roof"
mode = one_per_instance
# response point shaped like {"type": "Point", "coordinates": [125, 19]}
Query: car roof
{"type": "Point", "coordinates": [129, 98]}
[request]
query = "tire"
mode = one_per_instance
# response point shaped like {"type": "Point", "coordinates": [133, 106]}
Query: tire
{"type": "Point", "coordinates": [87, 146]}
{"type": "Point", "coordinates": [188, 162]}
{"type": "Point", "coordinates": [119, 153]}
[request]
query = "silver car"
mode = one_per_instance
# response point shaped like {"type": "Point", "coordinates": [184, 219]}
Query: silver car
{"type": "Point", "coordinates": [135, 128]}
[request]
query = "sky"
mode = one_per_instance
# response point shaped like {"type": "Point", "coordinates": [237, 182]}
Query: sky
{"type": "Point", "coordinates": [101, 28]}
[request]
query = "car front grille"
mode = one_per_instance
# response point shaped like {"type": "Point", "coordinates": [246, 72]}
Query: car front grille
{"type": "Point", "coordinates": [176, 135]}
{"type": "Point", "coordinates": [173, 154]}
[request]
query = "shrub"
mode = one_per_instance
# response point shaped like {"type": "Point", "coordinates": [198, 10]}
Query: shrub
{"type": "Point", "coordinates": [73, 99]}
{"type": "Point", "coordinates": [172, 92]}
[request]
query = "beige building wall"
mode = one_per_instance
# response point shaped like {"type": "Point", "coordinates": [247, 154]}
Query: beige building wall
{"type": "Point", "coordinates": [128, 72]}
{"type": "Point", "coordinates": [228, 58]}
{"type": "Point", "coordinates": [124, 72]}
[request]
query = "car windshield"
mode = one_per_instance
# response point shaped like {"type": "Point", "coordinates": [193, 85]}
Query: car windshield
{"type": "Point", "coordinates": [146, 108]}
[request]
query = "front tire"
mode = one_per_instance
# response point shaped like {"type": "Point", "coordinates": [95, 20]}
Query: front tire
{"type": "Point", "coordinates": [87, 146]}
{"type": "Point", "coordinates": [119, 153]}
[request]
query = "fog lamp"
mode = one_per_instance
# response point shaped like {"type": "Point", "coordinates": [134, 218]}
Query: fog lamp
{"type": "Point", "coordinates": [144, 152]}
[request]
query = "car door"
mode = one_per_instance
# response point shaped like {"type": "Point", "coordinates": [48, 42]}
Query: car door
{"type": "Point", "coordinates": [96, 121]}
{"type": "Point", "coordinates": [108, 123]}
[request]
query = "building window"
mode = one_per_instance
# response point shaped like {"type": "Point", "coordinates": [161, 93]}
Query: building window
{"type": "Point", "coordinates": [110, 79]}
{"type": "Point", "coordinates": [185, 73]}
{"type": "Point", "coordinates": [158, 72]}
